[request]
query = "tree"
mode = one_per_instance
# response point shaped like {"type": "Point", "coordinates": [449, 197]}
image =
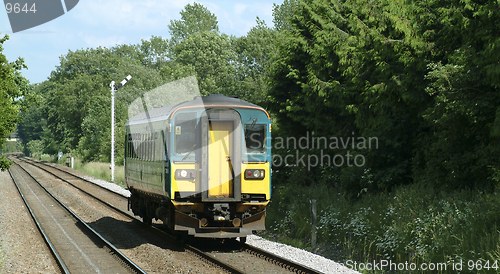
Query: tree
{"type": "Point", "coordinates": [460, 146]}
{"type": "Point", "coordinates": [197, 47]}
{"type": "Point", "coordinates": [154, 52]}
{"type": "Point", "coordinates": [422, 77]}
{"type": "Point", "coordinates": [12, 86]}
{"type": "Point", "coordinates": [194, 18]}
{"type": "Point", "coordinates": [254, 55]}
{"type": "Point", "coordinates": [211, 56]}
{"type": "Point", "coordinates": [283, 14]}
{"type": "Point", "coordinates": [76, 99]}
{"type": "Point", "coordinates": [349, 69]}
{"type": "Point", "coordinates": [32, 121]}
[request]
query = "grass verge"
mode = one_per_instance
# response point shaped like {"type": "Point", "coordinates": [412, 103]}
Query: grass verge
{"type": "Point", "coordinates": [101, 171]}
{"type": "Point", "coordinates": [98, 170]}
{"type": "Point", "coordinates": [412, 224]}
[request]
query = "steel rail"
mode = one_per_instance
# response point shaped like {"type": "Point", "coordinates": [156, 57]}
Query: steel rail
{"type": "Point", "coordinates": [51, 247]}
{"type": "Point", "coordinates": [82, 190]}
{"type": "Point", "coordinates": [134, 267]}
{"type": "Point", "coordinates": [203, 255]}
{"type": "Point", "coordinates": [285, 263]}
{"type": "Point", "coordinates": [67, 172]}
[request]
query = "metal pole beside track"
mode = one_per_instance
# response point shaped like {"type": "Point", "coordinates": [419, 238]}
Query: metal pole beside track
{"type": "Point", "coordinates": [313, 222]}
{"type": "Point", "coordinates": [112, 131]}
{"type": "Point", "coordinates": [113, 90]}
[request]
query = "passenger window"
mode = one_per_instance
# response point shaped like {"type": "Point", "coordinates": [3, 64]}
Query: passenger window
{"type": "Point", "coordinates": [185, 132]}
{"type": "Point", "coordinates": [255, 138]}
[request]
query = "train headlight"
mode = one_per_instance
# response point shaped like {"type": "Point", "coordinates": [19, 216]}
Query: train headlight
{"type": "Point", "coordinates": [185, 174]}
{"type": "Point", "coordinates": [255, 174]}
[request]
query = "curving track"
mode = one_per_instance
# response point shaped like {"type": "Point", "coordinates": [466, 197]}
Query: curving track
{"type": "Point", "coordinates": [232, 257]}
{"type": "Point", "coordinates": [76, 247]}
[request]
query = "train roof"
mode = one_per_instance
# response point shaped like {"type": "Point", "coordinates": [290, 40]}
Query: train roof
{"type": "Point", "coordinates": [213, 100]}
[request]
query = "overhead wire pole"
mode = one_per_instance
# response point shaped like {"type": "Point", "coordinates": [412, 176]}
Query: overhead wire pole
{"type": "Point", "coordinates": [113, 90]}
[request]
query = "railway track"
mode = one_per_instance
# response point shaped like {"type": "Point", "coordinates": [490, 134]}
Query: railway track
{"type": "Point", "coordinates": [229, 260]}
{"type": "Point", "coordinates": [76, 247]}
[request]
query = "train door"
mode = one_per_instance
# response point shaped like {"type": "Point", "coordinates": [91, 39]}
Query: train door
{"type": "Point", "coordinates": [221, 156]}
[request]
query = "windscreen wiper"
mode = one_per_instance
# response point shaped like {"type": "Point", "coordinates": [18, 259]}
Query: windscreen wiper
{"type": "Point", "coordinates": [251, 127]}
{"type": "Point", "coordinates": [190, 150]}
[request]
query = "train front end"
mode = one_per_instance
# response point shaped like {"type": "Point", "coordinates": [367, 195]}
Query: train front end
{"type": "Point", "coordinates": [220, 168]}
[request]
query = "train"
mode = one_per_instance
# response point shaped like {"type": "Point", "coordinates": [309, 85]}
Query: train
{"type": "Point", "coordinates": [202, 167]}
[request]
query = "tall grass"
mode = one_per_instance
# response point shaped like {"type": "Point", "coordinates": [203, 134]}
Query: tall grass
{"type": "Point", "coordinates": [98, 170]}
{"type": "Point", "coordinates": [413, 224]}
{"type": "Point", "coordinates": [101, 171]}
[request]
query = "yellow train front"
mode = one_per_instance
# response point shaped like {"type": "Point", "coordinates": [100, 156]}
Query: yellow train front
{"type": "Point", "coordinates": [201, 166]}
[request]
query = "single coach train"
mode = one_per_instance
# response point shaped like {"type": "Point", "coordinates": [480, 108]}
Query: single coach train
{"type": "Point", "coordinates": [201, 166]}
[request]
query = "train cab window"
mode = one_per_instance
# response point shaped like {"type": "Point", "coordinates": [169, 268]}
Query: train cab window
{"type": "Point", "coordinates": [255, 138]}
{"type": "Point", "coordinates": [185, 132]}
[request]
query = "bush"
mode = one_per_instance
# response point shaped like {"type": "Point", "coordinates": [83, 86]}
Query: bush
{"type": "Point", "coordinates": [35, 148]}
{"type": "Point", "coordinates": [411, 224]}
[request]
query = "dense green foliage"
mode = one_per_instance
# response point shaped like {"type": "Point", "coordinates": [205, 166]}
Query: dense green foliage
{"type": "Point", "coordinates": [12, 87]}
{"type": "Point", "coordinates": [72, 113]}
{"type": "Point", "coordinates": [422, 77]}
{"type": "Point", "coordinates": [195, 18]}
{"type": "Point", "coordinates": [11, 147]}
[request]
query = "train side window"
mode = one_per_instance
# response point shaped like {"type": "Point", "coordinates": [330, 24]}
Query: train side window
{"type": "Point", "coordinates": [129, 145]}
{"type": "Point", "coordinates": [255, 138]}
{"type": "Point", "coordinates": [156, 155]}
{"type": "Point", "coordinates": [146, 146]}
{"type": "Point", "coordinates": [185, 132]}
{"type": "Point", "coordinates": [148, 153]}
{"type": "Point", "coordinates": [163, 147]}
{"type": "Point", "coordinates": [132, 149]}
{"type": "Point", "coordinates": [151, 156]}
{"type": "Point", "coordinates": [134, 145]}
{"type": "Point", "coordinates": [138, 145]}
{"type": "Point", "coordinates": [150, 146]}
{"type": "Point", "coordinates": [143, 147]}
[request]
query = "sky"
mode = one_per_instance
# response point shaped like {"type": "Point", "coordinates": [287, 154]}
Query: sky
{"type": "Point", "coordinates": [106, 23]}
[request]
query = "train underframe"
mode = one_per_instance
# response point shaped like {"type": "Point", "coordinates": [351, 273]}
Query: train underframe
{"type": "Point", "coordinates": [201, 219]}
